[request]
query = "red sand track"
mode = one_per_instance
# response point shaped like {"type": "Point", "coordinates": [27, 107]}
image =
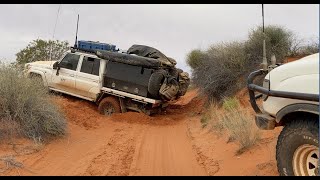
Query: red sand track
{"type": "Point", "coordinates": [172, 143]}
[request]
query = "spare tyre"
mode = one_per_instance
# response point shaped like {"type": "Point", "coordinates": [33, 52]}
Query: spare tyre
{"type": "Point", "coordinates": [175, 72]}
{"type": "Point", "coordinates": [155, 82]}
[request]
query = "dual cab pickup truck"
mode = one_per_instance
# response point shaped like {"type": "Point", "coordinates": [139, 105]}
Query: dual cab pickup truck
{"type": "Point", "coordinates": [115, 81]}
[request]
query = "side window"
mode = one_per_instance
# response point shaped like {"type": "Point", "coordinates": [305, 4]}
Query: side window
{"type": "Point", "coordinates": [96, 67]}
{"type": "Point", "coordinates": [90, 66]}
{"type": "Point", "coordinates": [70, 61]}
{"type": "Point", "coordinates": [87, 65]}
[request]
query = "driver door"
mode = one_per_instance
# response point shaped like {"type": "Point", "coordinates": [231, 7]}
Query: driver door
{"type": "Point", "coordinates": [65, 79]}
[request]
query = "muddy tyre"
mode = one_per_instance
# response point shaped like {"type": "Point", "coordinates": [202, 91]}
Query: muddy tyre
{"type": "Point", "coordinates": [155, 82]}
{"type": "Point", "coordinates": [297, 150]}
{"type": "Point", "coordinates": [109, 105]}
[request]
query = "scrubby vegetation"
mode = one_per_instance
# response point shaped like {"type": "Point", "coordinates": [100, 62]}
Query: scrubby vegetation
{"type": "Point", "coordinates": [42, 50]}
{"type": "Point", "coordinates": [233, 120]}
{"type": "Point", "coordinates": [222, 69]}
{"type": "Point", "coordinates": [26, 109]}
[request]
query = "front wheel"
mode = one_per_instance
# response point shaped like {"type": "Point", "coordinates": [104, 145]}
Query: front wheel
{"type": "Point", "coordinates": [109, 105]}
{"type": "Point", "coordinates": [297, 150]}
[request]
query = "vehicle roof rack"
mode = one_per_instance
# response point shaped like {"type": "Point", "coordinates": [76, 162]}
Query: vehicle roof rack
{"type": "Point", "coordinates": [76, 49]}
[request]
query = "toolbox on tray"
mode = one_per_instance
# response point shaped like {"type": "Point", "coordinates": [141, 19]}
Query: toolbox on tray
{"type": "Point", "coordinates": [127, 78]}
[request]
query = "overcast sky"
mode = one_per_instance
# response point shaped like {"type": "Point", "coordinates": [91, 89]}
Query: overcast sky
{"type": "Point", "coordinates": [173, 29]}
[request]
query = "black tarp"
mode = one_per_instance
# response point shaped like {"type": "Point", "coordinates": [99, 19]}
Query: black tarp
{"type": "Point", "coordinates": [150, 52]}
{"type": "Point", "coordinates": [129, 59]}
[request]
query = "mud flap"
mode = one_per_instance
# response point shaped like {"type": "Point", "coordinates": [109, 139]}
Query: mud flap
{"type": "Point", "coordinates": [265, 122]}
{"type": "Point", "coordinates": [122, 105]}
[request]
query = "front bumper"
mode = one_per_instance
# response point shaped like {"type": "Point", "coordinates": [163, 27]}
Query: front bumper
{"type": "Point", "coordinates": [264, 120]}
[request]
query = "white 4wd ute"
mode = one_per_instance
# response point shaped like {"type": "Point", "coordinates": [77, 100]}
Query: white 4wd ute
{"type": "Point", "coordinates": [81, 74]}
{"type": "Point", "coordinates": [290, 96]}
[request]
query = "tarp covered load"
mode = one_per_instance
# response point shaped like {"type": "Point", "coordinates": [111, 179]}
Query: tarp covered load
{"type": "Point", "coordinates": [129, 59]}
{"type": "Point", "coordinates": [151, 74]}
{"type": "Point", "coordinates": [150, 52]}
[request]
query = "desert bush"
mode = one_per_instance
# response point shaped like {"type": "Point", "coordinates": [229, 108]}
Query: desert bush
{"type": "Point", "coordinates": [278, 39]}
{"type": "Point", "coordinates": [235, 121]}
{"type": "Point", "coordinates": [218, 75]}
{"type": "Point", "coordinates": [204, 120]}
{"type": "Point", "coordinates": [310, 48]}
{"type": "Point", "coordinates": [221, 70]}
{"type": "Point", "coordinates": [195, 58]}
{"type": "Point", "coordinates": [240, 125]}
{"type": "Point", "coordinates": [302, 48]}
{"type": "Point", "coordinates": [214, 116]}
{"type": "Point", "coordinates": [26, 108]}
{"type": "Point", "coordinates": [230, 103]}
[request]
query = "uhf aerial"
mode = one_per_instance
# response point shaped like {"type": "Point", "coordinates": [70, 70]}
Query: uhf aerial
{"type": "Point", "coordinates": [75, 43]}
{"type": "Point", "coordinates": [264, 56]}
{"type": "Point", "coordinates": [54, 30]}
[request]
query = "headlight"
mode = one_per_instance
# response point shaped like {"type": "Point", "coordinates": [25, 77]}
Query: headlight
{"type": "Point", "coordinates": [27, 67]}
{"type": "Point", "coordinates": [266, 84]}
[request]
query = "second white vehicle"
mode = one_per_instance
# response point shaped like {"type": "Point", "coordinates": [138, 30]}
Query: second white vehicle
{"type": "Point", "coordinates": [291, 99]}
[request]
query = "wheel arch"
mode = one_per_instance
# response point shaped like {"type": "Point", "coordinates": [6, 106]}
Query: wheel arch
{"type": "Point", "coordinates": [39, 73]}
{"type": "Point", "coordinates": [103, 95]}
{"type": "Point", "coordinates": [295, 111]}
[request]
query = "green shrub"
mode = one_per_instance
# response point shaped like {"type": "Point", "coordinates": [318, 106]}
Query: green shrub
{"type": "Point", "coordinates": [218, 76]}
{"type": "Point", "coordinates": [26, 108]}
{"type": "Point", "coordinates": [234, 121]}
{"type": "Point", "coordinates": [222, 69]}
{"type": "Point", "coordinates": [278, 41]}
{"type": "Point", "coordinates": [240, 125]}
{"type": "Point", "coordinates": [230, 103]}
{"type": "Point", "coordinates": [195, 58]}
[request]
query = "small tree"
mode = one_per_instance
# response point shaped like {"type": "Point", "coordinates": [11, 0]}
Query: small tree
{"type": "Point", "coordinates": [219, 75]}
{"type": "Point", "coordinates": [39, 50]}
{"type": "Point", "coordinates": [278, 41]}
{"type": "Point", "coordinates": [302, 47]}
{"type": "Point", "coordinates": [311, 48]}
{"type": "Point", "coordinates": [195, 58]}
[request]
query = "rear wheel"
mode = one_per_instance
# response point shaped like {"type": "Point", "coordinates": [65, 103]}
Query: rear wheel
{"type": "Point", "coordinates": [297, 150]}
{"type": "Point", "coordinates": [109, 105]}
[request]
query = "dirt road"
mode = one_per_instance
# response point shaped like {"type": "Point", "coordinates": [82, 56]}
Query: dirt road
{"type": "Point", "coordinates": [172, 143]}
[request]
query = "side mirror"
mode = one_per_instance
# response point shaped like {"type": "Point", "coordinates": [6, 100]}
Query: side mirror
{"type": "Point", "coordinates": [55, 65]}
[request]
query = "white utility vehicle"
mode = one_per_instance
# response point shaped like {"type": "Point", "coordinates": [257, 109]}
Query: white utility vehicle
{"type": "Point", "coordinates": [290, 96]}
{"type": "Point", "coordinates": [115, 87]}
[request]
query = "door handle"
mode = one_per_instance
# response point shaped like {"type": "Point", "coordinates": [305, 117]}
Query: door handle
{"type": "Point", "coordinates": [96, 81]}
{"type": "Point", "coordinates": [72, 75]}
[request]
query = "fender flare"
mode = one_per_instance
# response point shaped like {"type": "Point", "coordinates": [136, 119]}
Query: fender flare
{"type": "Point", "coordinates": [299, 107]}
{"type": "Point", "coordinates": [41, 74]}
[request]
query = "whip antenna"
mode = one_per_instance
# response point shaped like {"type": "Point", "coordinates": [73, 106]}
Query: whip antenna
{"type": "Point", "coordinates": [54, 30]}
{"type": "Point", "coordinates": [75, 43]}
{"type": "Point", "coordinates": [264, 58]}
